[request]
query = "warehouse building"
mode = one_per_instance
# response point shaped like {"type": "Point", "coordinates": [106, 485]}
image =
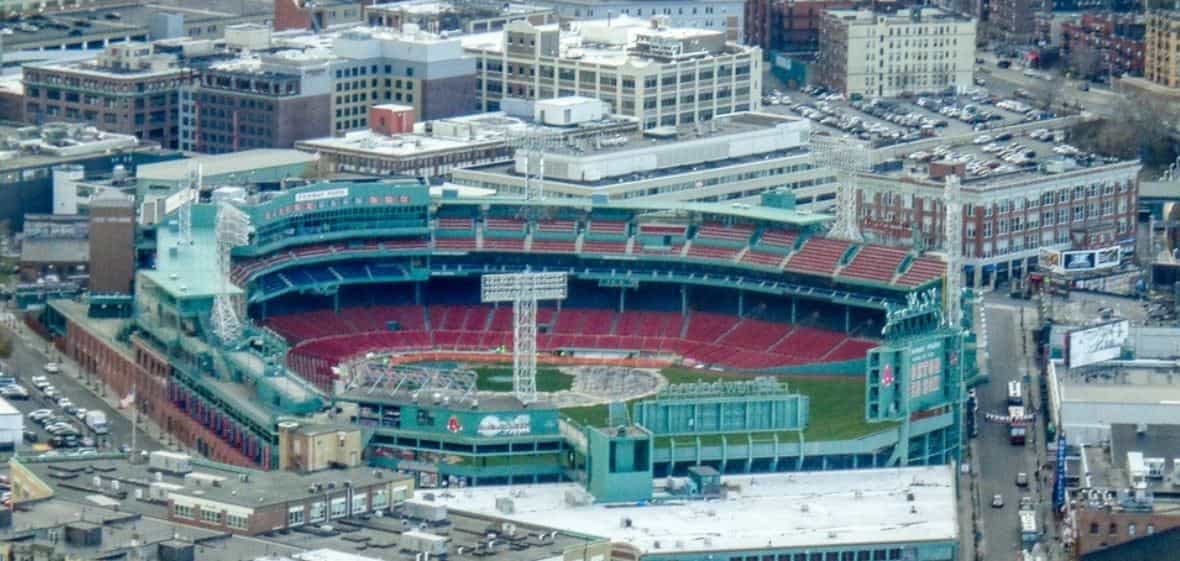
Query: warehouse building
{"type": "Point", "coordinates": [659, 75]}
{"type": "Point", "coordinates": [885, 514]}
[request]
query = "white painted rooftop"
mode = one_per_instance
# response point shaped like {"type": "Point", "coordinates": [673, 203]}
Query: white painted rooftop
{"type": "Point", "coordinates": [779, 510]}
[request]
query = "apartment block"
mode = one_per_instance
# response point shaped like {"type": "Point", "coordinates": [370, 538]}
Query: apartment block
{"type": "Point", "coordinates": [775, 25]}
{"type": "Point", "coordinates": [1161, 63]}
{"type": "Point", "coordinates": [661, 76]}
{"type": "Point", "coordinates": [878, 54]}
{"type": "Point", "coordinates": [128, 89]}
{"type": "Point", "coordinates": [1105, 44]}
{"type": "Point", "coordinates": [1013, 21]}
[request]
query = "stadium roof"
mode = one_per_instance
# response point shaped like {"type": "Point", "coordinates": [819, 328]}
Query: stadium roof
{"type": "Point", "coordinates": [245, 163]}
{"type": "Point", "coordinates": [767, 511]}
{"type": "Point", "coordinates": [740, 210]}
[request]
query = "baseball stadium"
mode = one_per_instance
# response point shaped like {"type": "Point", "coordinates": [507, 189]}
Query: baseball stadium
{"type": "Point", "coordinates": [683, 337]}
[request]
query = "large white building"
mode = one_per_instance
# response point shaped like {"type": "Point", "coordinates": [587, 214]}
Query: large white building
{"type": "Point", "coordinates": [713, 15]}
{"type": "Point", "coordinates": [733, 157]}
{"type": "Point", "coordinates": [661, 76]}
{"type": "Point", "coordinates": [884, 55]}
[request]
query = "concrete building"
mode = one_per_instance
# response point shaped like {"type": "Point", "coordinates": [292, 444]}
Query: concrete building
{"type": "Point", "coordinates": [112, 242]}
{"type": "Point", "coordinates": [437, 17]}
{"type": "Point", "coordinates": [738, 156]}
{"type": "Point", "coordinates": [661, 76]}
{"type": "Point", "coordinates": [446, 144]}
{"type": "Point", "coordinates": [725, 16]}
{"type": "Point", "coordinates": [884, 55]}
{"type": "Point", "coordinates": [265, 101]}
{"type": "Point", "coordinates": [1012, 22]}
{"type": "Point", "coordinates": [852, 514]}
{"type": "Point", "coordinates": [1163, 48]}
{"type": "Point", "coordinates": [1008, 217]}
{"type": "Point", "coordinates": [422, 70]}
{"type": "Point", "coordinates": [1104, 44]}
{"type": "Point", "coordinates": [128, 89]}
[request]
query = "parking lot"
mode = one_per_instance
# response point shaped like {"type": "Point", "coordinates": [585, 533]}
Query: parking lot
{"type": "Point", "coordinates": [896, 121]}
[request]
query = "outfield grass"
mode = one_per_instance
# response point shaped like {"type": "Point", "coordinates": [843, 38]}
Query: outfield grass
{"type": "Point", "coordinates": [836, 406]}
{"type": "Point", "coordinates": [499, 379]}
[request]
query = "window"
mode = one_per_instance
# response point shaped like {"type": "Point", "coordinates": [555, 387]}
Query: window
{"type": "Point", "coordinates": [359, 503]}
{"type": "Point", "coordinates": [339, 507]}
{"type": "Point", "coordinates": [317, 512]}
{"type": "Point", "coordinates": [1131, 529]}
{"type": "Point", "coordinates": [295, 516]}
{"type": "Point", "coordinates": [182, 511]}
{"type": "Point", "coordinates": [235, 521]}
{"type": "Point", "coordinates": [210, 516]}
{"type": "Point", "coordinates": [380, 501]}
{"type": "Point", "coordinates": [1114, 529]}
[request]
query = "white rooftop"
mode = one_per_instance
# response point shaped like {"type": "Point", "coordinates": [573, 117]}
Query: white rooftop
{"type": "Point", "coordinates": [779, 510]}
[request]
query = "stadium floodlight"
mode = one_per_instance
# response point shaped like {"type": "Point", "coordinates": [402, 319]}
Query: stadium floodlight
{"type": "Point", "coordinates": [233, 229]}
{"type": "Point", "coordinates": [953, 207]}
{"type": "Point", "coordinates": [524, 290]}
{"type": "Point", "coordinates": [846, 157]}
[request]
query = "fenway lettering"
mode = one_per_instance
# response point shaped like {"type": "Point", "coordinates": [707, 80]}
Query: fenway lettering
{"type": "Point", "coordinates": [493, 425]}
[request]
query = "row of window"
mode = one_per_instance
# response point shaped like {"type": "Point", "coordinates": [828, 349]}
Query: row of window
{"type": "Point", "coordinates": [369, 70]}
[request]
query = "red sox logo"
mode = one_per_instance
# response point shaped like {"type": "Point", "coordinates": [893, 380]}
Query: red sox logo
{"type": "Point", "coordinates": [453, 425]}
{"type": "Point", "coordinates": [887, 375]}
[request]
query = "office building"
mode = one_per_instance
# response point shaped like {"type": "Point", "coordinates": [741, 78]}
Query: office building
{"type": "Point", "coordinates": [449, 144]}
{"type": "Point", "coordinates": [732, 157]}
{"type": "Point", "coordinates": [264, 101]}
{"type": "Point", "coordinates": [661, 76]}
{"type": "Point", "coordinates": [316, 15]}
{"type": "Point", "coordinates": [1163, 48]}
{"type": "Point", "coordinates": [885, 55]}
{"type": "Point", "coordinates": [423, 70]}
{"type": "Point", "coordinates": [128, 89]}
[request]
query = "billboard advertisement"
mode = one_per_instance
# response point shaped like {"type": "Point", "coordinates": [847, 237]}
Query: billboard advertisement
{"type": "Point", "coordinates": [1096, 344]}
{"type": "Point", "coordinates": [1080, 260]}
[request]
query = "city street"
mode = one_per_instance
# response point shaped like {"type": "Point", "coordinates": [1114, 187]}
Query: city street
{"type": "Point", "coordinates": [997, 462]}
{"type": "Point", "coordinates": [28, 359]}
{"type": "Point", "coordinates": [1004, 81]}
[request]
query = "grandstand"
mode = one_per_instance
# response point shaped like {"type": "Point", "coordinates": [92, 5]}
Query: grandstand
{"type": "Point", "coordinates": [336, 274]}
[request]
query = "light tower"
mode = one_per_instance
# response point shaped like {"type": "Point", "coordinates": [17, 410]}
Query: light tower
{"type": "Point", "coordinates": [524, 290]}
{"type": "Point", "coordinates": [953, 223]}
{"type": "Point", "coordinates": [532, 144]}
{"type": "Point", "coordinates": [846, 157]}
{"type": "Point", "coordinates": [233, 229]}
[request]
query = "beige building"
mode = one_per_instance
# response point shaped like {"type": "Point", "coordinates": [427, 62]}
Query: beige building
{"type": "Point", "coordinates": [884, 55]}
{"type": "Point", "coordinates": [1162, 51]}
{"type": "Point", "coordinates": [661, 76]}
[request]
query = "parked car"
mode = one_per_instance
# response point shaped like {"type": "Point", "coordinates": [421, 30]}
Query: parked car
{"type": "Point", "coordinates": [52, 367]}
{"type": "Point", "coordinates": [998, 501]}
{"type": "Point", "coordinates": [1022, 479]}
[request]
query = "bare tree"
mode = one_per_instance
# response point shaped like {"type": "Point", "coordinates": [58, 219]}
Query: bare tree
{"type": "Point", "coordinates": [1143, 127]}
{"type": "Point", "coordinates": [1085, 61]}
{"type": "Point", "coordinates": [1043, 94]}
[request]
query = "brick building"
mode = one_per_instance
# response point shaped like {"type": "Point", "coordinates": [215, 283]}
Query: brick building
{"type": "Point", "coordinates": [1008, 218]}
{"type": "Point", "coordinates": [129, 89]}
{"type": "Point", "coordinates": [318, 15]}
{"type": "Point", "coordinates": [775, 25]}
{"type": "Point", "coordinates": [1104, 44]}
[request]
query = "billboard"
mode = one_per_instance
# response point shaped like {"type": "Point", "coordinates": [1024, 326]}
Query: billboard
{"type": "Point", "coordinates": [1080, 260]}
{"type": "Point", "coordinates": [1095, 344]}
